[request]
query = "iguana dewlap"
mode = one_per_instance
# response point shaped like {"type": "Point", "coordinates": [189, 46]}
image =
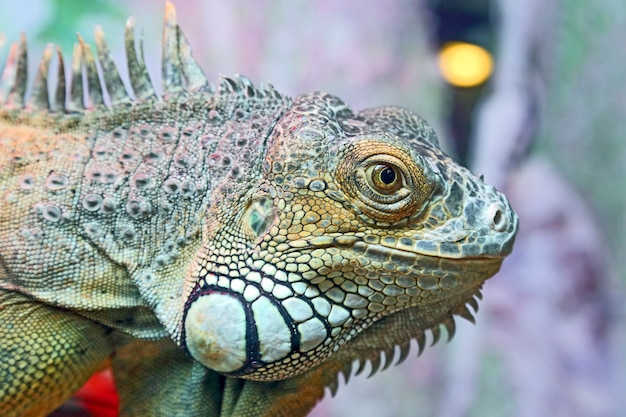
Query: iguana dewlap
{"type": "Point", "coordinates": [209, 240]}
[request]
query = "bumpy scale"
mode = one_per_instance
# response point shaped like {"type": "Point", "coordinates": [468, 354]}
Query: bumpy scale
{"type": "Point", "coordinates": [208, 240]}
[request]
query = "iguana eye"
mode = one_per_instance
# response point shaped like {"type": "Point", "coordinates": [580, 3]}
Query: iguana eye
{"type": "Point", "coordinates": [386, 182]}
{"type": "Point", "coordinates": [384, 178]}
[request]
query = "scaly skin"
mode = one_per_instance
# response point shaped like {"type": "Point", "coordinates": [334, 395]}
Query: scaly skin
{"type": "Point", "coordinates": [230, 251]}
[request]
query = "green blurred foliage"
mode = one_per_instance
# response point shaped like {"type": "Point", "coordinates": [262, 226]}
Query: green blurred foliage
{"type": "Point", "coordinates": [66, 15]}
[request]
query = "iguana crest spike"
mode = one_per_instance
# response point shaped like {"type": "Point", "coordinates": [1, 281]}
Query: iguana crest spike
{"type": "Point", "coordinates": [464, 312]}
{"type": "Point", "coordinates": [436, 332]}
{"type": "Point", "coordinates": [115, 87]}
{"type": "Point", "coordinates": [94, 95]}
{"type": "Point", "coordinates": [15, 74]}
{"type": "Point", "coordinates": [405, 349]}
{"type": "Point", "coordinates": [473, 302]}
{"type": "Point", "coordinates": [18, 92]}
{"type": "Point", "coordinates": [58, 105]}
{"type": "Point", "coordinates": [228, 85]}
{"type": "Point", "coordinates": [39, 99]}
{"type": "Point", "coordinates": [76, 102]}
{"type": "Point", "coordinates": [195, 79]}
{"type": "Point", "coordinates": [171, 71]}
{"type": "Point", "coordinates": [139, 78]}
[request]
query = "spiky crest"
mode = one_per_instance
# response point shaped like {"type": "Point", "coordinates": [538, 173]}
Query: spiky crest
{"type": "Point", "coordinates": [181, 74]}
{"type": "Point", "coordinates": [39, 100]}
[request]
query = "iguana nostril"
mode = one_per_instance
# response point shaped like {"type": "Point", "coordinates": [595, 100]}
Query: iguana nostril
{"type": "Point", "coordinates": [496, 214]}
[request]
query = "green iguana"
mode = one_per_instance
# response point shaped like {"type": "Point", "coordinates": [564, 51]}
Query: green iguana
{"type": "Point", "coordinates": [229, 250]}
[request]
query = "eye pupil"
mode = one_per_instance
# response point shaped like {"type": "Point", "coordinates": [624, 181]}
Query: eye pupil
{"type": "Point", "coordinates": [385, 179]}
{"type": "Point", "coordinates": [388, 176]}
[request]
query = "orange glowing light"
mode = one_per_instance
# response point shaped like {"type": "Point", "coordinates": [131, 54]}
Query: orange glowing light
{"type": "Point", "coordinates": [464, 64]}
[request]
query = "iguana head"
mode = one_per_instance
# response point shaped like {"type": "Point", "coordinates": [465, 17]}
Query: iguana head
{"type": "Point", "coordinates": [354, 217]}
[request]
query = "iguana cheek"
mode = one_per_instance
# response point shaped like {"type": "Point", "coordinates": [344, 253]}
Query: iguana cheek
{"type": "Point", "coordinates": [273, 334]}
{"type": "Point", "coordinates": [230, 334]}
{"type": "Point", "coordinates": [227, 335]}
{"type": "Point", "coordinates": [215, 329]}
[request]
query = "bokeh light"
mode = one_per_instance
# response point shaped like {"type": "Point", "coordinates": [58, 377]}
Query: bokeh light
{"type": "Point", "coordinates": [464, 64]}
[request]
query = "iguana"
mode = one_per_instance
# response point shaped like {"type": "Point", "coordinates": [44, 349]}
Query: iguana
{"type": "Point", "coordinates": [228, 250]}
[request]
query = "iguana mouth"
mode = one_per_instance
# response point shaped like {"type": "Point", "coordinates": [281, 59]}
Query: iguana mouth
{"type": "Point", "coordinates": [409, 257]}
{"type": "Point", "coordinates": [402, 249]}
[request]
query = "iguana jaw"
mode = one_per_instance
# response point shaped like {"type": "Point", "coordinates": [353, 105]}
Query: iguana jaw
{"type": "Point", "coordinates": [259, 333]}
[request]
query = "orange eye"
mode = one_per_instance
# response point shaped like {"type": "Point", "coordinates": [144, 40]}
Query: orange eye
{"type": "Point", "coordinates": [385, 179]}
{"type": "Point", "coordinates": [385, 183]}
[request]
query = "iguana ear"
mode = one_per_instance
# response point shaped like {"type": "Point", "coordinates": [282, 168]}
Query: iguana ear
{"type": "Point", "coordinates": [258, 218]}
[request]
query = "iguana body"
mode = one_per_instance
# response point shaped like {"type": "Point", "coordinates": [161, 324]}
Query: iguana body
{"type": "Point", "coordinates": [229, 251]}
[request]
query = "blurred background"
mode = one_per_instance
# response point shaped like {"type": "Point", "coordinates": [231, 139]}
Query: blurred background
{"type": "Point", "coordinates": [531, 94]}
